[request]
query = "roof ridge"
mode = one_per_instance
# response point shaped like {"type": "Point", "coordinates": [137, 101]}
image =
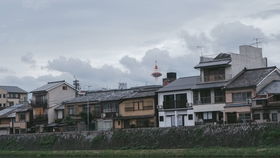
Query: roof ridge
{"type": "Point", "coordinates": [188, 77]}
{"type": "Point", "coordinates": [260, 68]}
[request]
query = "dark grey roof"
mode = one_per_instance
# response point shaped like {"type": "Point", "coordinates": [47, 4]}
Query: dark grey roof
{"type": "Point", "coordinates": [13, 89]}
{"type": "Point", "coordinates": [217, 84]}
{"type": "Point", "coordinates": [148, 91]}
{"type": "Point", "coordinates": [101, 96]}
{"type": "Point", "coordinates": [249, 77]}
{"type": "Point", "coordinates": [181, 84]}
{"type": "Point", "coordinates": [61, 107]}
{"type": "Point", "coordinates": [11, 110]}
{"type": "Point", "coordinates": [50, 85]}
{"type": "Point", "coordinates": [222, 59]}
{"type": "Point", "coordinates": [271, 88]}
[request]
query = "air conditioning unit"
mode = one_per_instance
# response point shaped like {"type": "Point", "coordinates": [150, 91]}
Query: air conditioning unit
{"type": "Point", "coordinates": [159, 107]}
{"type": "Point", "coordinates": [249, 101]}
{"type": "Point", "coordinates": [103, 115]}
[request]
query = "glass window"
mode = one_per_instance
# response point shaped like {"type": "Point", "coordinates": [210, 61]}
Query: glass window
{"type": "Point", "coordinates": [205, 96]}
{"type": "Point", "coordinates": [195, 97]}
{"type": "Point", "coordinates": [241, 97]}
{"type": "Point", "coordinates": [181, 100]}
{"type": "Point", "coordinates": [4, 95]}
{"type": "Point", "coordinates": [168, 101]}
{"type": "Point", "coordinates": [71, 110]}
{"type": "Point", "coordinates": [257, 116]}
{"type": "Point", "coordinates": [190, 117]}
{"type": "Point", "coordinates": [207, 116]}
{"type": "Point", "coordinates": [214, 74]}
{"type": "Point", "coordinates": [64, 87]}
{"type": "Point", "coordinates": [0, 95]}
{"type": "Point", "coordinates": [219, 96]}
{"type": "Point", "coordinates": [161, 118]}
{"type": "Point", "coordinates": [274, 117]}
{"type": "Point", "coordinates": [244, 117]}
{"type": "Point", "coordinates": [22, 116]}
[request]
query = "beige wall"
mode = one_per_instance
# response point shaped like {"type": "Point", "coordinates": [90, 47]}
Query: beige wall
{"type": "Point", "coordinates": [129, 103]}
{"type": "Point", "coordinates": [78, 108]}
{"type": "Point", "coordinates": [229, 93]}
{"type": "Point", "coordinates": [3, 100]}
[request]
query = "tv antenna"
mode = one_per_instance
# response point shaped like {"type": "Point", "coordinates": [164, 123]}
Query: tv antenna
{"type": "Point", "coordinates": [257, 42]}
{"type": "Point", "coordinates": [200, 48]}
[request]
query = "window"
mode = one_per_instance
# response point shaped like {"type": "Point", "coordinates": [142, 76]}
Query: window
{"type": "Point", "coordinates": [205, 96]}
{"type": "Point", "coordinates": [0, 105]}
{"type": "Point", "coordinates": [161, 118]}
{"type": "Point", "coordinates": [266, 116]}
{"type": "Point", "coordinates": [214, 74]}
{"type": "Point", "coordinates": [168, 102]}
{"type": "Point", "coordinates": [241, 97]}
{"type": "Point", "coordinates": [276, 98]}
{"type": "Point", "coordinates": [109, 107]}
{"type": "Point", "coordinates": [4, 95]}
{"type": "Point", "coordinates": [64, 87]}
{"type": "Point", "coordinates": [195, 97]}
{"type": "Point", "coordinates": [129, 108]}
{"type": "Point", "coordinates": [119, 123]}
{"type": "Point", "coordinates": [274, 117]}
{"type": "Point", "coordinates": [207, 116]}
{"type": "Point", "coordinates": [244, 117]}
{"type": "Point", "coordinates": [21, 116]}
{"type": "Point", "coordinates": [180, 120]}
{"type": "Point", "coordinates": [181, 100]}
{"type": "Point", "coordinates": [219, 96]}
{"type": "Point", "coordinates": [138, 105]}
{"type": "Point", "coordinates": [71, 110]}
{"type": "Point", "coordinates": [4, 105]}
{"type": "Point", "coordinates": [257, 116]}
{"type": "Point", "coordinates": [0, 95]}
{"type": "Point", "coordinates": [190, 117]}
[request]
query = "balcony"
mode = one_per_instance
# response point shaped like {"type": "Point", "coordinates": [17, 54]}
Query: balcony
{"type": "Point", "coordinates": [39, 103]}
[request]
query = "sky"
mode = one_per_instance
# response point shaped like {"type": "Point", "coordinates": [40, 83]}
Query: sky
{"type": "Point", "coordinates": [104, 42]}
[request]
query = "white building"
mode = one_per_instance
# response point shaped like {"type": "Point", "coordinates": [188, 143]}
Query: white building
{"type": "Point", "coordinates": [175, 103]}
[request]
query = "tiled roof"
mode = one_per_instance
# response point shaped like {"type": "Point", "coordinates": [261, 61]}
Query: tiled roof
{"type": "Point", "coordinates": [143, 92]}
{"type": "Point", "coordinates": [271, 88]}
{"type": "Point", "coordinates": [217, 84]}
{"type": "Point", "coordinates": [13, 89]}
{"type": "Point", "coordinates": [249, 77]}
{"type": "Point", "coordinates": [184, 83]}
{"type": "Point", "coordinates": [50, 86]}
{"type": "Point", "coordinates": [11, 110]}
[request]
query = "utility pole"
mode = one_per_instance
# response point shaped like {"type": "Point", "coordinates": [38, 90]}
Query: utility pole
{"type": "Point", "coordinates": [88, 110]}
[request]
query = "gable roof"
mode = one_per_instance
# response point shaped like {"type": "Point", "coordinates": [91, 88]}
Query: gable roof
{"type": "Point", "coordinates": [249, 77]}
{"type": "Point", "coordinates": [183, 83]}
{"type": "Point", "coordinates": [221, 59]}
{"type": "Point", "coordinates": [13, 89]}
{"type": "Point", "coordinates": [272, 88]}
{"type": "Point", "coordinates": [51, 85]}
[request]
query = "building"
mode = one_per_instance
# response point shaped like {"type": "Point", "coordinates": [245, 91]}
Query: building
{"type": "Point", "coordinates": [99, 108]}
{"type": "Point", "coordinates": [175, 103]}
{"type": "Point", "coordinates": [11, 95]}
{"type": "Point", "coordinates": [138, 109]}
{"type": "Point", "coordinates": [15, 119]}
{"type": "Point", "coordinates": [46, 99]}
{"type": "Point", "coordinates": [248, 84]}
{"type": "Point", "coordinates": [208, 93]}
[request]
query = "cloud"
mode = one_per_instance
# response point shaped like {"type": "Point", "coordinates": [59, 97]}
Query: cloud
{"type": "Point", "coordinates": [28, 58]}
{"type": "Point", "coordinates": [4, 70]}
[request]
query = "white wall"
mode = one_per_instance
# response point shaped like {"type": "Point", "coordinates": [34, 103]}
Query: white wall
{"type": "Point", "coordinates": [55, 97]}
{"type": "Point", "coordinates": [175, 113]}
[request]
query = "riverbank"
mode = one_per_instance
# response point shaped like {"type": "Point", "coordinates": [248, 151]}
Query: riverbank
{"type": "Point", "coordinates": [167, 153]}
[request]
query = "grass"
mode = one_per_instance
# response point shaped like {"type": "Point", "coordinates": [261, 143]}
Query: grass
{"type": "Point", "coordinates": [166, 153]}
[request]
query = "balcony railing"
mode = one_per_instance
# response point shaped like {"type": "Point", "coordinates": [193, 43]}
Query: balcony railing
{"type": "Point", "coordinates": [39, 103]}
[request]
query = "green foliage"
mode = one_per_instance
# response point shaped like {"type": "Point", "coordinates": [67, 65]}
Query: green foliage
{"type": "Point", "coordinates": [69, 121]}
{"type": "Point", "coordinates": [272, 137]}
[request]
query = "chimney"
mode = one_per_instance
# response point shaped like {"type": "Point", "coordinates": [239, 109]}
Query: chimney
{"type": "Point", "coordinates": [170, 77]}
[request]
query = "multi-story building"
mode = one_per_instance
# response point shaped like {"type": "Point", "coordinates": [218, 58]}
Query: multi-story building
{"type": "Point", "coordinates": [11, 95]}
{"type": "Point", "coordinates": [138, 109]}
{"type": "Point", "coordinates": [242, 89]}
{"type": "Point", "coordinates": [47, 98]}
{"type": "Point", "coordinates": [175, 101]}
{"type": "Point", "coordinates": [15, 119]}
{"type": "Point", "coordinates": [208, 93]}
{"type": "Point", "coordinates": [99, 108]}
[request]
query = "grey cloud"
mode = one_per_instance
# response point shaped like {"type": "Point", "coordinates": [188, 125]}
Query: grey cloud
{"type": "Point", "coordinates": [28, 58]}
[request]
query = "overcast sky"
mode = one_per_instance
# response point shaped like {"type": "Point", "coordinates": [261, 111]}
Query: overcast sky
{"type": "Point", "coordinates": [104, 42]}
